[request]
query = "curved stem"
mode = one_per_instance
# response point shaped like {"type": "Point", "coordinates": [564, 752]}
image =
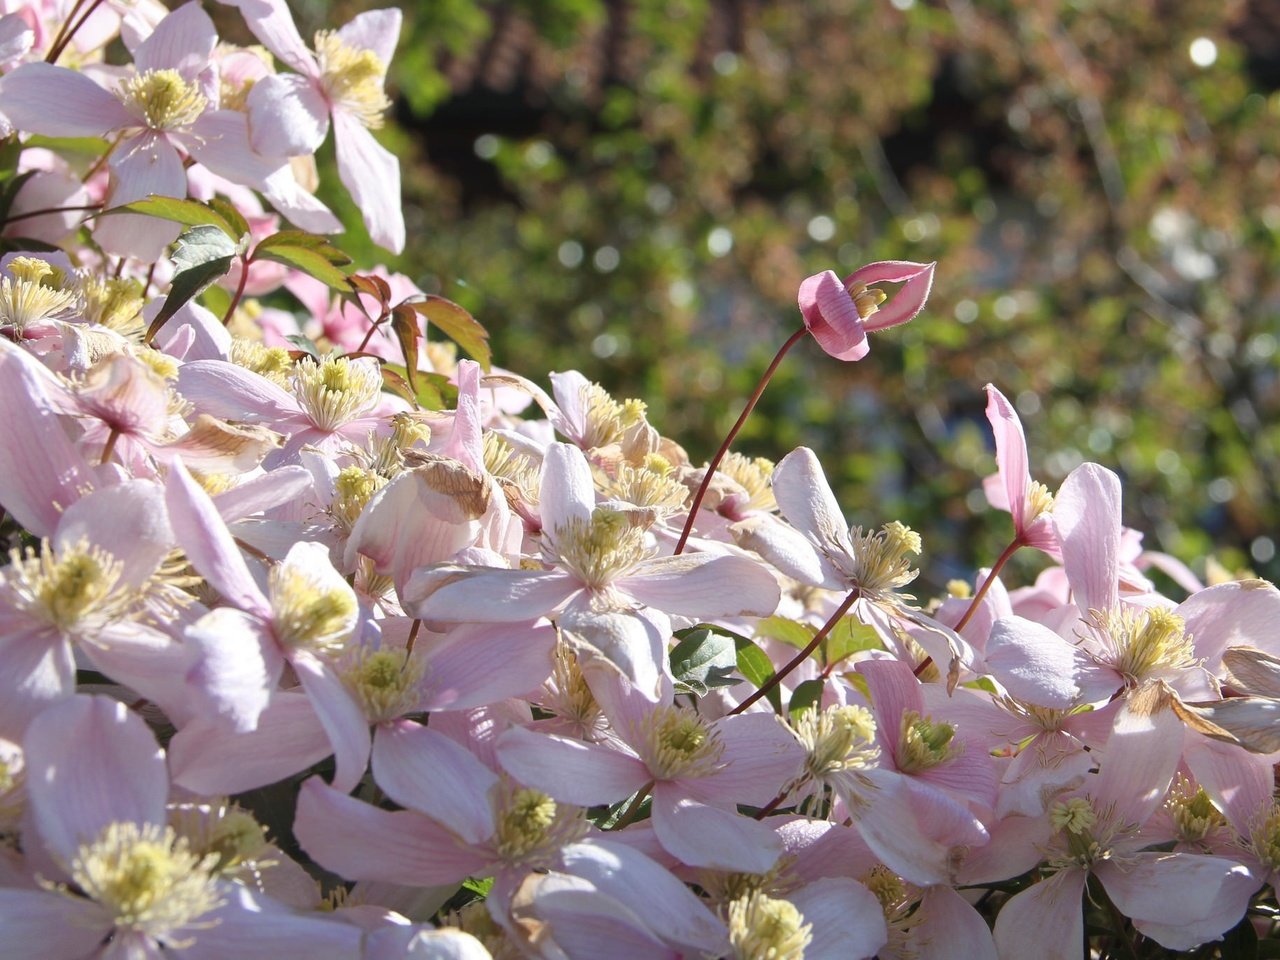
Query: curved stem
{"type": "Point", "coordinates": [629, 814]}
{"type": "Point", "coordinates": [1009, 551]}
{"type": "Point", "coordinates": [46, 210]}
{"type": "Point", "coordinates": [61, 44]}
{"type": "Point", "coordinates": [372, 330]}
{"type": "Point", "coordinates": [733, 432]}
{"type": "Point", "coordinates": [771, 806]}
{"type": "Point", "coordinates": [413, 636]}
{"type": "Point", "coordinates": [804, 654]}
{"type": "Point", "coordinates": [235, 301]}
{"type": "Point", "coordinates": [110, 447]}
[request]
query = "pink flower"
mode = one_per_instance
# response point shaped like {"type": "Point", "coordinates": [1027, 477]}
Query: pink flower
{"type": "Point", "coordinates": [839, 314]}
{"type": "Point", "coordinates": [289, 113]}
{"type": "Point", "coordinates": [1012, 488]}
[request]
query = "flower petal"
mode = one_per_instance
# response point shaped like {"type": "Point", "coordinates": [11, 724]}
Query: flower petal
{"type": "Point", "coordinates": [1086, 513]}
{"type": "Point", "coordinates": [182, 41]}
{"type": "Point", "coordinates": [571, 771]}
{"type": "Point", "coordinates": [372, 175]}
{"type": "Point", "coordinates": [704, 836]}
{"type": "Point", "coordinates": [288, 116]}
{"type": "Point", "coordinates": [832, 317]}
{"type": "Point", "coordinates": [57, 102]}
{"type": "Point", "coordinates": [916, 279]}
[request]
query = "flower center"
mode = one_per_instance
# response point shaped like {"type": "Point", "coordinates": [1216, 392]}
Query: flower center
{"type": "Point", "coordinates": [651, 484]}
{"type": "Point", "coordinates": [336, 390]}
{"type": "Point", "coordinates": [677, 744]}
{"type": "Point", "coordinates": [385, 683]}
{"type": "Point", "coordinates": [25, 298]}
{"type": "Point", "coordinates": [147, 877]}
{"type": "Point", "coordinates": [607, 420]}
{"type": "Point", "coordinates": [163, 99]}
{"type": "Point", "coordinates": [531, 824]}
{"type": "Point", "coordinates": [352, 78]}
{"type": "Point", "coordinates": [1147, 642]}
{"type": "Point", "coordinates": [1265, 839]}
{"type": "Point", "coordinates": [602, 548]}
{"type": "Point", "coordinates": [923, 743]}
{"type": "Point", "coordinates": [882, 561]}
{"type": "Point", "coordinates": [353, 488]}
{"type": "Point", "coordinates": [273, 363]}
{"type": "Point", "coordinates": [114, 303]}
{"type": "Point", "coordinates": [67, 588]}
{"type": "Point", "coordinates": [866, 299]}
{"type": "Point", "coordinates": [838, 740]}
{"type": "Point", "coordinates": [762, 928]}
{"type": "Point", "coordinates": [309, 613]}
{"type": "Point", "coordinates": [1192, 812]}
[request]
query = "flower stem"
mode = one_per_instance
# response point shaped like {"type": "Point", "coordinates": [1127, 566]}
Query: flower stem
{"type": "Point", "coordinates": [629, 814]}
{"type": "Point", "coordinates": [110, 446]}
{"type": "Point", "coordinates": [724, 447]}
{"type": "Point", "coordinates": [372, 329]}
{"type": "Point", "coordinates": [235, 301]}
{"type": "Point", "coordinates": [804, 654]}
{"type": "Point", "coordinates": [1009, 551]}
{"type": "Point", "coordinates": [46, 210]}
{"type": "Point", "coordinates": [60, 44]}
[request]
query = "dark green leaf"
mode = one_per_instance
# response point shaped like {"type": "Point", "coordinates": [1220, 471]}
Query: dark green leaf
{"type": "Point", "coordinates": [457, 324]}
{"type": "Point", "coordinates": [404, 323]}
{"type": "Point", "coordinates": [310, 262]}
{"type": "Point", "coordinates": [10, 190]}
{"type": "Point", "coordinates": [435, 392]}
{"type": "Point", "coordinates": [186, 285]}
{"type": "Point", "coordinates": [806, 694]}
{"type": "Point", "coordinates": [755, 666]}
{"type": "Point", "coordinates": [191, 213]}
{"type": "Point", "coordinates": [703, 660]}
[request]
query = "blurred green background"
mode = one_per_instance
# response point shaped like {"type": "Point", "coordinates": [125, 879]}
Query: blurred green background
{"type": "Point", "coordinates": [636, 189]}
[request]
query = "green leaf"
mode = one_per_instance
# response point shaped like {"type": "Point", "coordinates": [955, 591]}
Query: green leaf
{"type": "Point", "coordinates": [786, 631]}
{"type": "Point", "coordinates": [311, 262]}
{"type": "Point", "coordinates": [10, 190]}
{"type": "Point", "coordinates": [480, 887]}
{"type": "Point", "coordinates": [848, 637]}
{"type": "Point", "coordinates": [434, 392]}
{"type": "Point", "coordinates": [308, 241]}
{"type": "Point", "coordinates": [404, 323]}
{"type": "Point", "coordinates": [217, 299]}
{"type": "Point", "coordinates": [457, 324]}
{"type": "Point", "coordinates": [190, 213]}
{"type": "Point", "coordinates": [185, 285]}
{"type": "Point", "coordinates": [806, 694]}
{"type": "Point", "coordinates": [703, 660]}
{"type": "Point", "coordinates": [756, 667]}
{"type": "Point", "coordinates": [230, 214]}
{"type": "Point", "coordinates": [200, 245]}
{"type": "Point", "coordinates": [304, 343]}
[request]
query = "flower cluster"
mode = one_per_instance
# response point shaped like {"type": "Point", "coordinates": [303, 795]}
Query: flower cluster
{"type": "Point", "coordinates": [317, 640]}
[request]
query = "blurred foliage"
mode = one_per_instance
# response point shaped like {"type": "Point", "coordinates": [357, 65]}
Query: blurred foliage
{"type": "Point", "coordinates": [636, 189]}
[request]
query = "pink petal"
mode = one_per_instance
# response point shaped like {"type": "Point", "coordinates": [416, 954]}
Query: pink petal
{"type": "Point", "coordinates": [341, 717]}
{"type": "Point", "coordinates": [497, 596]}
{"type": "Point", "coordinates": [704, 586]}
{"type": "Point", "coordinates": [371, 174]}
{"type": "Point", "coordinates": [629, 644]}
{"type": "Point", "coordinates": [1240, 783]}
{"type": "Point", "coordinates": [301, 208]}
{"type": "Point", "coordinates": [1139, 760]}
{"type": "Point", "coordinates": [1011, 453]}
{"type": "Point", "coordinates": [128, 520]}
{"type": "Point", "coordinates": [1086, 513]}
{"type": "Point", "coordinates": [220, 141]}
{"type": "Point", "coordinates": [209, 759]}
{"type": "Point", "coordinates": [948, 927]}
{"type": "Point", "coordinates": [760, 755]}
{"type": "Point", "coordinates": [272, 23]}
{"type": "Point", "coordinates": [848, 922]}
{"type": "Point", "coordinates": [568, 490]}
{"type": "Point", "coordinates": [43, 925]}
{"type": "Point", "coordinates": [478, 664]}
{"type": "Point", "coordinates": [786, 548]}
{"type": "Point", "coordinates": [618, 870]}
{"type": "Point", "coordinates": [465, 444]}
{"type": "Point", "coordinates": [263, 492]}
{"type": "Point", "coordinates": [916, 279]}
{"type": "Point", "coordinates": [90, 763]}
{"type": "Point", "coordinates": [41, 471]}
{"type": "Point", "coordinates": [288, 116]}
{"type": "Point", "coordinates": [1242, 613]}
{"type": "Point", "coordinates": [832, 317]}
{"type": "Point", "coordinates": [141, 166]}
{"type": "Point", "coordinates": [237, 666]}
{"type": "Point", "coordinates": [1035, 664]}
{"type": "Point", "coordinates": [182, 41]}
{"type": "Point", "coordinates": [430, 773]}
{"type": "Point", "coordinates": [58, 102]}
{"type": "Point", "coordinates": [1180, 900]}
{"type": "Point", "coordinates": [704, 836]}
{"type": "Point", "coordinates": [16, 38]}
{"type": "Point", "coordinates": [804, 496]}
{"type": "Point", "coordinates": [36, 668]}
{"type": "Point", "coordinates": [571, 771]}
{"type": "Point", "coordinates": [894, 690]}
{"type": "Point", "coordinates": [204, 537]}
{"type": "Point", "coordinates": [361, 842]}
{"type": "Point", "coordinates": [250, 926]}
{"type": "Point", "coordinates": [1044, 921]}
{"type": "Point", "coordinates": [376, 30]}
{"type": "Point", "coordinates": [231, 392]}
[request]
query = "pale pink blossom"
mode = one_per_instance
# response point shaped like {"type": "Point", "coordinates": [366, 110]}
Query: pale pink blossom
{"type": "Point", "coordinates": [840, 313]}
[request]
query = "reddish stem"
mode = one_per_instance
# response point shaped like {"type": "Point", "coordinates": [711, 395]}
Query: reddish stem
{"type": "Point", "coordinates": [44, 210]}
{"type": "Point", "coordinates": [724, 447]}
{"type": "Point", "coordinates": [235, 301]}
{"type": "Point", "coordinates": [61, 43]}
{"type": "Point", "coordinates": [804, 654]}
{"type": "Point", "coordinates": [1009, 551]}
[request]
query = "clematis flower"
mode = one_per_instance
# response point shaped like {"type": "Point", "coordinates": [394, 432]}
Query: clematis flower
{"type": "Point", "coordinates": [343, 79]}
{"type": "Point", "coordinates": [1012, 488]}
{"type": "Point", "coordinates": [839, 314]}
